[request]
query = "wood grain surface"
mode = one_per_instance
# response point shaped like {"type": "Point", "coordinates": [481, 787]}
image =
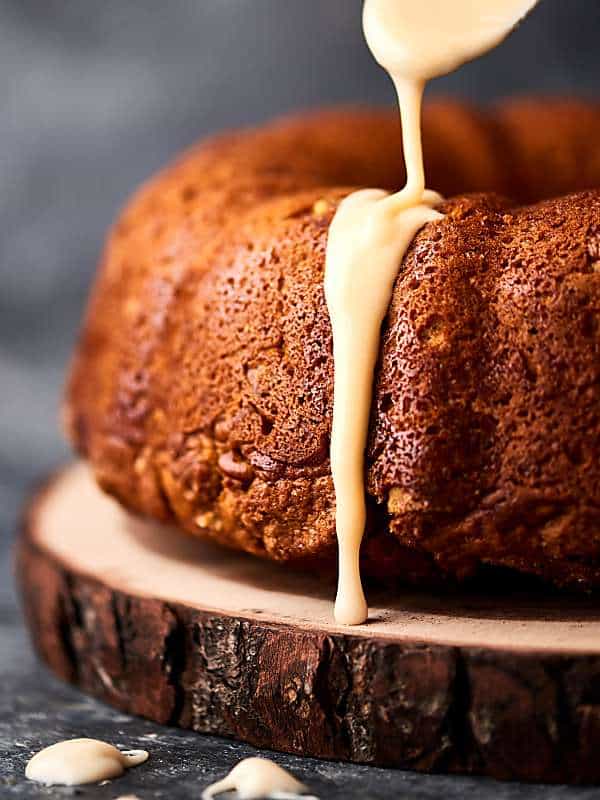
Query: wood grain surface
{"type": "Point", "coordinates": [188, 635]}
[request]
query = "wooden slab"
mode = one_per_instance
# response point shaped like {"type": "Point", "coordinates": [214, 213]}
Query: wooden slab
{"type": "Point", "coordinates": [184, 633]}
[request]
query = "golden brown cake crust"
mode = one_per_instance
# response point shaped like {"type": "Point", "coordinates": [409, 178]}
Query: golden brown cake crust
{"type": "Point", "coordinates": [201, 390]}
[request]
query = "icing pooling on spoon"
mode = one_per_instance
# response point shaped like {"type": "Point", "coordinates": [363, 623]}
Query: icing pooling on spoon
{"type": "Point", "coordinates": [372, 230]}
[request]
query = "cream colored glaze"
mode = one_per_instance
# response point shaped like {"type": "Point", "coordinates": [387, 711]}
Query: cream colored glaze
{"type": "Point", "coordinates": [78, 761]}
{"type": "Point", "coordinates": [367, 241]}
{"type": "Point", "coordinates": [372, 230]}
{"type": "Point", "coordinates": [255, 778]}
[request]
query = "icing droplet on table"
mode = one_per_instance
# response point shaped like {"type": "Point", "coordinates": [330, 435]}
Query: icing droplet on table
{"type": "Point", "coordinates": [255, 778]}
{"type": "Point", "coordinates": [78, 761]}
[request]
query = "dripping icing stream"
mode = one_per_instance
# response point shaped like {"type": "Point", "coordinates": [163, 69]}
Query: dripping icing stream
{"type": "Point", "coordinates": [372, 230]}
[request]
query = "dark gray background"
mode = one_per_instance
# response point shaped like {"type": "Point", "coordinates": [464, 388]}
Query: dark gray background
{"type": "Point", "coordinates": [96, 94]}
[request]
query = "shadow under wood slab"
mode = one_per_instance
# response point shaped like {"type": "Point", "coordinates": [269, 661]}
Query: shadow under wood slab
{"type": "Point", "coordinates": [184, 633]}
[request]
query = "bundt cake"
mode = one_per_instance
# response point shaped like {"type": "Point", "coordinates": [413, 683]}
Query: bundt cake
{"type": "Point", "coordinates": [201, 389]}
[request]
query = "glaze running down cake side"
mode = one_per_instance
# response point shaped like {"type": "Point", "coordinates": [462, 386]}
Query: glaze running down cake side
{"type": "Point", "coordinates": [201, 390]}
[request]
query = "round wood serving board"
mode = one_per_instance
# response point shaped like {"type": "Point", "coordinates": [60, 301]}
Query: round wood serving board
{"type": "Point", "coordinates": [183, 633]}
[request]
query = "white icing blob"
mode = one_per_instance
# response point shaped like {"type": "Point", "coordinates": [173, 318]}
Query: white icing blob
{"type": "Point", "coordinates": [255, 778]}
{"type": "Point", "coordinates": [79, 761]}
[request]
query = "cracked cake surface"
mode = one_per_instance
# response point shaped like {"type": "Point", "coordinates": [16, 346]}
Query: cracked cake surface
{"type": "Point", "coordinates": [201, 388]}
